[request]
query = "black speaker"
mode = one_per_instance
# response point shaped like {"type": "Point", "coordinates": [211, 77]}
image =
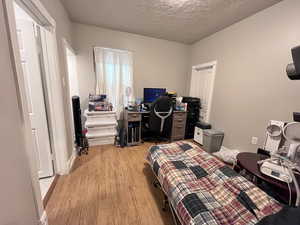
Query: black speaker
{"type": "Point", "coordinates": [77, 119]}
{"type": "Point", "coordinates": [293, 69]}
{"type": "Point", "coordinates": [193, 113]}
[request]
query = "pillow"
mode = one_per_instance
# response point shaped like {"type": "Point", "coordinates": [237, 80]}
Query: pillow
{"type": "Point", "coordinates": [226, 155]}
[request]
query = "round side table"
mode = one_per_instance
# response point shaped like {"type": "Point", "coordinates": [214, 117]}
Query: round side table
{"type": "Point", "coordinates": [247, 161]}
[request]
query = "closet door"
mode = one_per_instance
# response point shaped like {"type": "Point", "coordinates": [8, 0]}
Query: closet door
{"type": "Point", "coordinates": [35, 96]}
{"type": "Point", "coordinates": [202, 85]}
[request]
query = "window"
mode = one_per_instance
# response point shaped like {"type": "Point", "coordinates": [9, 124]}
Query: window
{"type": "Point", "coordinates": [114, 76]}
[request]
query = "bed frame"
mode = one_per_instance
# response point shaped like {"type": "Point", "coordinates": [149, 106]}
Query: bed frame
{"type": "Point", "coordinates": [166, 201]}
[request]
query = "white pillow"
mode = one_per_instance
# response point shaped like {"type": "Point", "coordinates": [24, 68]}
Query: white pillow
{"type": "Point", "coordinates": [228, 156]}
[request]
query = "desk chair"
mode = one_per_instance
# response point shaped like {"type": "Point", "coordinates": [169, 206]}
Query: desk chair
{"type": "Point", "coordinates": [160, 121]}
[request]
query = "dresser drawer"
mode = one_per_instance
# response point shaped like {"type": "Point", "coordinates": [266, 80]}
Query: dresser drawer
{"type": "Point", "coordinates": [179, 115]}
{"type": "Point", "coordinates": [179, 120]}
{"type": "Point", "coordinates": [178, 126]}
{"type": "Point", "coordinates": [134, 117]}
{"type": "Point", "coordinates": [178, 130]}
{"type": "Point", "coordinates": [98, 130]}
{"type": "Point", "coordinates": [101, 118]}
{"type": "Point", "coordinates": [101, 141]}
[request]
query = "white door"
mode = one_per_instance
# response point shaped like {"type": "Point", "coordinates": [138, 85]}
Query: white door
{"type": "Point", "coordinates": [202, 85]}
{"type": "Point", "coordinates": [35, 96]}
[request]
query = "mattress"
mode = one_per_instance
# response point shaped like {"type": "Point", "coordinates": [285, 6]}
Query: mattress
{"type": "Point", "coordinates": [203, 190]}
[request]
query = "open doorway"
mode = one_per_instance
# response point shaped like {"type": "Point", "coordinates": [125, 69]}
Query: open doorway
{"type": "Point", "coordinates": [32, 60]}
{"type": "Point", "coordinates": [40, 45]}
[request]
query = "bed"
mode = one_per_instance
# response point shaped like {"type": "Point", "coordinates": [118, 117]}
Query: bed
{"type": "Point", "coordinates": [203, 190]}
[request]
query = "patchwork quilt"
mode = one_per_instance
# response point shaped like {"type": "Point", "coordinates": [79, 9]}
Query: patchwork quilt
{"type": "Point", "coordinates": [203, 190]}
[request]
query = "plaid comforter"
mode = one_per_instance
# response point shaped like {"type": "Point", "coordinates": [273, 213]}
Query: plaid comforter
{"type": "Point", "coordinates": [203, 190]}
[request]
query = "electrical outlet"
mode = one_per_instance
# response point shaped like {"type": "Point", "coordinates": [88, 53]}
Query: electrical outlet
{"type": "Point", "coordinates": [254, 140]}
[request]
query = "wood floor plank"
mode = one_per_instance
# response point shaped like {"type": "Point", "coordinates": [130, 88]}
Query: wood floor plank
{"type": "Point", "coordinates": [110, 186]}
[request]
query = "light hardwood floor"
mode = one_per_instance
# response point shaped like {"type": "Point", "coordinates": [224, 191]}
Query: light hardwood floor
{"type": "Point", "coordinates": [110, 186]}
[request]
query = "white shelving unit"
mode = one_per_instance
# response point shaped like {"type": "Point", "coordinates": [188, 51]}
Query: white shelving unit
{"type": "Point", "coordinates": [101, 127]}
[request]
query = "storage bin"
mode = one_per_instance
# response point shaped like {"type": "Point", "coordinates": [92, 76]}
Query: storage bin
{"type": "Point", "coordinates": [101, 127]}
{"type": "Point", "coordinates": [100, 117]}
{"type": "Point", "coordinates": [105, 140]}
{"type": "Point", "coordinates": [212, 140]}
{"type": "Point", "coordinates": [104, 129]}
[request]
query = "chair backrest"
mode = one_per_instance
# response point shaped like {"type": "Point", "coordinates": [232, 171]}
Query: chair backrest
{"type": "Point", "coordinates": [162, 104]}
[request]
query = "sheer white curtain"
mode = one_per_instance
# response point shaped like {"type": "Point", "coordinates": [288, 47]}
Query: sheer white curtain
{"type": "Point", "coordinates": [114, 76]}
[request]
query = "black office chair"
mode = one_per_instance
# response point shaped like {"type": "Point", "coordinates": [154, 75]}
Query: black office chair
{"type": "Point", "coordinates": [160, 121]}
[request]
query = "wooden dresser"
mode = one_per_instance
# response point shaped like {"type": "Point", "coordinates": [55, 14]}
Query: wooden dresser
{"type": "Point", "coordinates": [178, 125]}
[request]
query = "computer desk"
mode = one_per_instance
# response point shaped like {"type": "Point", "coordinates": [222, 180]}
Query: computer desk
{"type": "Point", "coordinates": [135, 119]}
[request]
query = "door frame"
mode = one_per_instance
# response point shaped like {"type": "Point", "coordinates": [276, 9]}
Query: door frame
{"type": "Point", "coordinates": [203, 65]}
{"type": "Point", "coordinates": [45, 157]}
{"type": "Point", "coordinates": [59, 144]}
{"type": "Point", "coordinates": [66, 45]}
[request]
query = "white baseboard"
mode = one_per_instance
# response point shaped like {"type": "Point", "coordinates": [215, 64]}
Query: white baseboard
{"type": "Point", "coordinates": [71, 161]}
{"type": "Point", "coordinates": [68, 164]}
{"type": "Point", "coordinates": [44, 219]}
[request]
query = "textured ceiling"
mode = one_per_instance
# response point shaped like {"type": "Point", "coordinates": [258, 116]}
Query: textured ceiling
{"type": "Point", "coordinates": [184, 21]}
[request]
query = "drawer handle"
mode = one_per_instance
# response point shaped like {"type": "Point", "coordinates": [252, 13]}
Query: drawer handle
{"type": "Point", "coordinates": [179, 127]}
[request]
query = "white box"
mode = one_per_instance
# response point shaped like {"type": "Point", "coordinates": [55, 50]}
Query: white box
{"type": "Point", "coordinates": [198, 135]}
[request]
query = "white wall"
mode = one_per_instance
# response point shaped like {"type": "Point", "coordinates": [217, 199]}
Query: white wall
{"type": "Point", "coordinates": [251, 84]}
{"type": "Point", "coordinates": [157, 63]}
{"type": "Point", "coordinates": [17, 205]}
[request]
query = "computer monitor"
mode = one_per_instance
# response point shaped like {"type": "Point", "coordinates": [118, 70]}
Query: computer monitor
{"type": "Point", "coordinates": [151, 94]}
